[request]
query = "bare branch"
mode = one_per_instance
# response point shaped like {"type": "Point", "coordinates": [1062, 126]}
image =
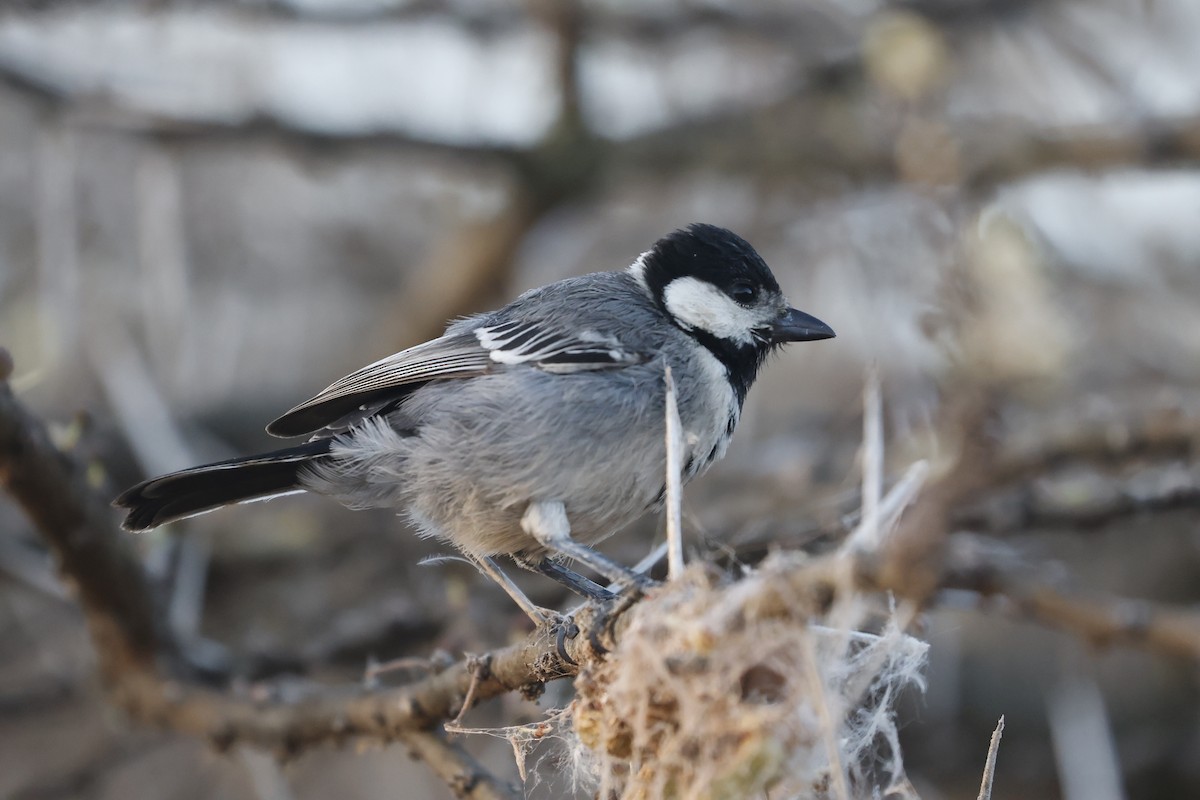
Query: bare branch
{"type": "Point", "coordinates": [989, 568]}
{"type": "Point", "coordinates": [95, 561]}
{"type": "Point", "coordinates": [1159, 434]}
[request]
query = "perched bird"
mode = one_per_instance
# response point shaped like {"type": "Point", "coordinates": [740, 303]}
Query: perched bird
{"type": "Point", "coordinates": [535, 430]}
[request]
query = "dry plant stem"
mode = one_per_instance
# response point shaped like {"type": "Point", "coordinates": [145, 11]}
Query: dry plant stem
{"type": "Point", "coordinates": [674, 495]}
{"type": "Point", "coordinates": [989, 767]}
{"type": "Point", "coordinates": [479, 666]}
{"type": "Point", "coordinates": [872, 454]}
{"type": "Point", "coordinates": [829, 728]}
{"type": "Point", "coordinates": [910, 562]}
{"type": "Point", "coordinates": [867, 535]}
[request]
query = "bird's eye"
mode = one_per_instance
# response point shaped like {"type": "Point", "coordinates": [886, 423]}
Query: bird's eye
{"type": "Point", "coordinates": [744, 293]}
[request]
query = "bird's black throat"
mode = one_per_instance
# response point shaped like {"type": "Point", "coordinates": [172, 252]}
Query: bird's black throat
{"type": "Point", "coordinates": [741, 361]}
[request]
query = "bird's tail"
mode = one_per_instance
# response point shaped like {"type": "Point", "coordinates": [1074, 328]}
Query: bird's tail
{"type": "Point", "coordinates": [239, 480]}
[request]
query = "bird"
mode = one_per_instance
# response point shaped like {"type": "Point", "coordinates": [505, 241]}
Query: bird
{"type": "Point", "coordinates": [536, 430]}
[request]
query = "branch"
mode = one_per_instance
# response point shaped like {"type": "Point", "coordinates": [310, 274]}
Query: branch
{"type": "Point", "coordinates": [1159, 434]}
{"type": "Point", "coordinates": [989, 569]}
{"type": "Point", "coordinates": [832, 130]}
{"type": "Point", "coordinates": [99, 564]}
{"type": "Point", "coordinates": [290, 723]}
{"type": "Point", "coordinates": [920, 557]}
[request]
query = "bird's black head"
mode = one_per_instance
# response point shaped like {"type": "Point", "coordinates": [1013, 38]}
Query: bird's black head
{"type": "Point", "coordinates": [711, 283]}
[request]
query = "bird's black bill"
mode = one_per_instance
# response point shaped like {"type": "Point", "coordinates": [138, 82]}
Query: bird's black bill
{"type": "Point", "coordinates": [796, 326]}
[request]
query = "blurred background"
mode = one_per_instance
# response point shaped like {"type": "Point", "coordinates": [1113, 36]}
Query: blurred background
{"type": "Point", "coordinates": [210, 210]}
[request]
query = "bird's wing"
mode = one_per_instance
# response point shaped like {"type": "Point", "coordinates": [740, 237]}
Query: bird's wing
{"type": "Point", "coordinates": [552, 349]}
{"type": "Point", "coordinates": [463, 354]}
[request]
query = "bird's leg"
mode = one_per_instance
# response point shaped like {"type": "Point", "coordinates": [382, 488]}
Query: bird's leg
{"type": "Point", "coordinates": [488, 567]}
{"type": "Point", "coordinates": [547, 523]}
{"type": "Point", "coordinates": [579, 584]}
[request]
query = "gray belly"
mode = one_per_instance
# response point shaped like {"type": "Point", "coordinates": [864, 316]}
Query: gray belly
{"type": "Point", "coordinates": [480, 450]}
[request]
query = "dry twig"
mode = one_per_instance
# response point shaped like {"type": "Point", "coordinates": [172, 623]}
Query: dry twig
{"type": "Point", "coordinates": [674, 497]}
{"type": "Point", "coordinates": [989, 767]}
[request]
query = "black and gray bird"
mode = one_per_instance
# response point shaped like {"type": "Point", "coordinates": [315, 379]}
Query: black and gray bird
{"type": "Point", "coordinates": [536, 430]}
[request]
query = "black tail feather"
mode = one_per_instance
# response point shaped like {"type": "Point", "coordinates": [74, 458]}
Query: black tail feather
{"type": "Point", "coordinates": [199, 489]}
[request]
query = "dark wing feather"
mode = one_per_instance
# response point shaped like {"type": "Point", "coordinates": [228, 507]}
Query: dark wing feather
{"type": "Point", "coordinates": [386, 380]}
{"type": "Point", "coordinates": [459, 355]}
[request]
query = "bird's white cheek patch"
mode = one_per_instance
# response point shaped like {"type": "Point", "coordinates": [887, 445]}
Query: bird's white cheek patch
{"type": "Point", "coordinates": [699, 304]}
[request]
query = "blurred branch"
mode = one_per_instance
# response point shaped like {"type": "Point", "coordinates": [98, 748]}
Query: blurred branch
{"type": "Point", "coordinates": [465, 776]}
{"type": "Point", "coordinates": [470, 269]}
{"type": "Point", "coordinates": [1169, 433]}
{"type": "Point", "coordinates": [566, 19]}
{"type": "Point", "coordinates": [920, 557]}
{"type": "Point", "coordinates": [1140, 461]}
{"type": "Point", "coordinates": [631, 21]}
{"type": "Point", "coordinates": [989, 569]}
{"type": "Point", "coordinates": [1149, 142]}
{"type": "Point", "coordinates": [1106, 621]}
{"type": "Point", "coordinates": [107, 115]}
{"type": "Point", "coordinates": [830, 130]}
{"type": "Point", "coordinates": [290, 719]}
{"type": "Point", "coordinates": [99, 564]}
{"type": "Point", "coordinates": [1106, 470]}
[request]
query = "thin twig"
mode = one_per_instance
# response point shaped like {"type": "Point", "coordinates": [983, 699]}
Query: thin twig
{"type": "Point", "coordinates": [479, 667]}
{"type": "Point", "coordinates": [674, 496]}
{"type": "Point", "coordinates": [989, 767]}
{"type": "Point", "coordinates": [465, 776]}
{"type": "Point", "coordinates": [872, 458]}
{"type": "Point", "coordinates": [868, 533]}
